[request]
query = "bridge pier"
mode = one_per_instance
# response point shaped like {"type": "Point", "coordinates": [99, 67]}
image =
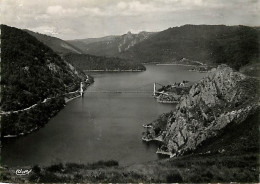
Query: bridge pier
{"type": "Point", "coordinates": [154, 89]}
{"type": "Point", "coordinates": [81, 89]}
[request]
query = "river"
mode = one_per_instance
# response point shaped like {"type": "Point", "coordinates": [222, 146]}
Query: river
{"type": "Point", "coordinates": [100, 126]}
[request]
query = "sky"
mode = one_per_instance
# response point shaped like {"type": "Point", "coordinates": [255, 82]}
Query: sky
{"type": "Point", "coordinates": [78, 19]}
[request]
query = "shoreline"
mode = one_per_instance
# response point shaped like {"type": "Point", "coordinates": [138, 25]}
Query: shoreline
{"type": "Point", "coordinates": [37, 127]}
{"type": "Point", "coordinates": [179, 64]}
{"type": "Point", "coordinates": [44, 101]}
{"type": "Point", "coordinates": [147, 126]}
{"type": "Point", "coordinates": [167, 102]}
{"type": "Point", "coordinates": [113, 70]}
{"type": "Point", "coordinates": [70, 99]}
{"type": "Point", "coordinates": [198, 71]}
{"type": "Point", "coordinates": [165, 153]}
{"type": "Point", "coordinates": [159, 139]}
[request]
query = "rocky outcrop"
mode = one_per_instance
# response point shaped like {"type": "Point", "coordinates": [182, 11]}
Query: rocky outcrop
{"type": "Point", "coordinates": [223, 97]}
{"type": "Point", "coordinates": [129, 40]}
{"type": "Point", "coordinates": [111, 46]}
{"type": "Point", "coordinates": [173, 93]}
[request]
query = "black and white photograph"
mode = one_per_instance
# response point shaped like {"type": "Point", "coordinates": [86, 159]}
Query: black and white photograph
{"type": "Point", "coordinates": [129, 91]}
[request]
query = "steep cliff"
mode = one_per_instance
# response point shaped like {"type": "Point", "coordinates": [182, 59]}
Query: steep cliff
{"type": "Point", "coordinates": [224, 97]}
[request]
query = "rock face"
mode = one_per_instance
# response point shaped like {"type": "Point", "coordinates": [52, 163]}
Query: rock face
{"type": "Point", "coordinates": [129, 40]}
{"type": "Point", "coordinates": [223, 97]}
{"type": "Point", "coordinates": [111, 46]}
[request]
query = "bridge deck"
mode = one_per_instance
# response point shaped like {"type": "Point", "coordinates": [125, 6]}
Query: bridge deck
{"type": "Point", "coordinates": [118, 91]}
{"type": "Point", "coordinates": [136, 91]}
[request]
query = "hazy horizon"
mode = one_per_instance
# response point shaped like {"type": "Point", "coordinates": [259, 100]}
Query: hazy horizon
{"type": "Point", "coordinates": [53, 35]}
{"type": "Point", "coordinates": [80, 19]}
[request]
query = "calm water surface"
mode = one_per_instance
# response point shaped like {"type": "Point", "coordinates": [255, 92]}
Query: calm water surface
{"type": "Point", "coordinates": [100, 126]}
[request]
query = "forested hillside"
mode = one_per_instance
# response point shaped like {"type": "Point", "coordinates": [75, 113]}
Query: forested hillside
{"type": "Point", "coordinates": [61, 47]}
{"type": "Point", "coordinates": [31, 73]}
{"type": "Point", "coordinates": [232, 45]}
{"type": "Point", "coordinates": [90, 62]}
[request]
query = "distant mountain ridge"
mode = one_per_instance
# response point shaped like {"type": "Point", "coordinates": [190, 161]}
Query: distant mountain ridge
{"type": "Point", "coordinates": [232, 45]}
{"type": "Point", "coordinates": [74, 56]}
{"type": "Point", "coordinates": [60, 46]}
{"type": "Point", "coordinates": [110, 45]}
{"type": "Point", "coordinates": [236, 46]}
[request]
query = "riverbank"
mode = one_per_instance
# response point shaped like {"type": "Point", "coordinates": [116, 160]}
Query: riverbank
{"type": "Point", "coordinates": [70, 99]}
{"type": "Point", "coordinates": [76, 94]}
{"type": "Point", "coordinates": [198, 71]}
{"type": "Point", "coordinates": [159, 139]}
{"type": "Point", "coordinates": [159, 151]}
{"type": "Point", "coordinates": [175, 64]}
{"type": "Point", "coordinates": [167, 101]}
{"type": "Point", "coordinates": [113, 70]}
{"type": "Point", "coordinates": [67, 97]}
{"type": "Point", "coordinates": [30, 120]}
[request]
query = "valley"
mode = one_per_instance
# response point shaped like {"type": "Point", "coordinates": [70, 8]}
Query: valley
{"type": "Point", "coordinates": [110, 45]}
{"type": "Point", "coordinates": [202, 123]}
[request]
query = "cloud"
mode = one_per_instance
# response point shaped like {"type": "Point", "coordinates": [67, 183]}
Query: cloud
{"type": "Point", "coordinates": [94, 18]}
{"type": "Point", "coordinates": [53, 10]}
{"type": "Point", "coordinates": [122, 5]}
{"type": "Point", "coordinates": [75, 12]}
{"type": "Point", "coordinates": [63, 12]}
{"type": "Point", "coordinates": [50, 30]}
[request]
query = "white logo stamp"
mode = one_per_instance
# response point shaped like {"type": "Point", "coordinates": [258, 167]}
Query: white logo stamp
{"type": "Point", "coordinates": [21, 172]}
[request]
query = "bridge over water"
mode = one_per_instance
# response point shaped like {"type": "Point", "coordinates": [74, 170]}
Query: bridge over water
{"type": "Point", "coordinates": [141, 89]}
{"type": "Point", "coordinates": [118, 91]}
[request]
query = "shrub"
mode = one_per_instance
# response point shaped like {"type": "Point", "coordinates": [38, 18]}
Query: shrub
{"type": "Point", "coordinates": [78, 178]}
{"type": "Point", "coordinates": [55, 168]}
{"type": "Point", "coordinates": [208, 175]}
{"type": "Point", "coordinates": [174, 178]}
{"type": "Point", "coordinates": [109, 163]}
{"type": "Point", "coordinates": [36, 169]}
{"type": "Point", "coordinates": [52, 178]}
